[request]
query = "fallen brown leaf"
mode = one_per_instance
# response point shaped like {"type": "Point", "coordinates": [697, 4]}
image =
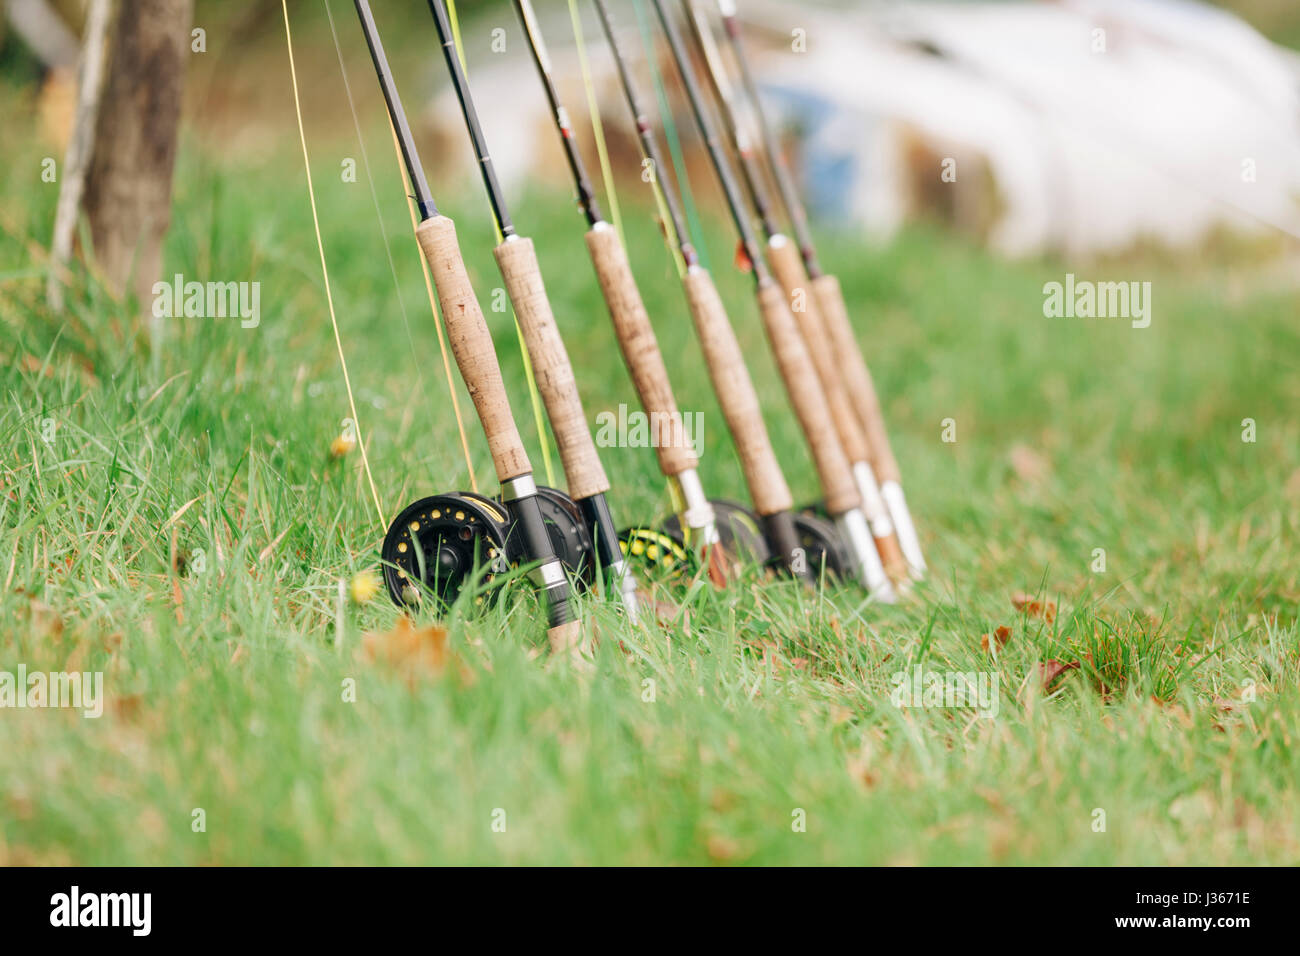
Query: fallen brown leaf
{"type": "Point", "coordinates": [1049, 671]}
{"type": "Point", "coordinates": [1028, 464]}
{"type": "Point", "coordinates": [126, 706]}
{"type": "Point", "coordinates": [1292, 487]}
{"type": "Point", "coordinates": [721, 848]}
{"type": "Point", "coordinates": [1033, 607]}
{"type": "Point", "coordinates": [860, 771]}
{"type": "Point", "coordinates": [32, 363]}
{"type": "Point", "coordinates": [1001, 635]}
{"type": "Point", "coordinates": [415, 653]}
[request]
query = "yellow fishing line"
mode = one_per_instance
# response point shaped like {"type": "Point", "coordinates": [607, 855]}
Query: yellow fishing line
{"type": "Point", "coordinates": [320, 246]}
{"type": "Point", "coordinates": [678, 502]}
{"type": "Point", "coordinates": [693, 224]}
{"type": "Point", "coordinates": [597, 127]}
{"type": "Point", "coordinates": [606, 171]}
{"type": "Point", "coordinates": [543, 436]}
{"type": "Point", "coordinates": [392, 267]}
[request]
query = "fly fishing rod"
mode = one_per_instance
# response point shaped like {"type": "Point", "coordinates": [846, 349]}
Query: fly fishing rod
{"type": "Point", "coordinates": [517, 261]}
{"type": "Point", "coordinates": [787, 534]}
{"type": "Point", "coordinates": [438, 542]}
{"type": "Point", "coordinates": [829, 299]}
{"type": "Point", "coordinates": [803, 386]}
{"type": "Point", "coordinates": [783, 258]}
{"type": "Point", "coordinates": [712, 539]}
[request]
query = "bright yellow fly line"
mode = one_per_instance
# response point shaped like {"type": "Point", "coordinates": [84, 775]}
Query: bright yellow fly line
{"type": "Point", "coordinates": [320, 246]}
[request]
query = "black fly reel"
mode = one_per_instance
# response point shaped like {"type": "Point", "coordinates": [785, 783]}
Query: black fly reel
{"type": "Point", "coordinates": [440, 544]}
{"type": "Point", "coordinates": [740, 532]}
{"type": "Point", "coordinates": [822, 544]}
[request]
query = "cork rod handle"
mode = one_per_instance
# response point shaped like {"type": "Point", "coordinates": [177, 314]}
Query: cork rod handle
{"type": "Point", "coordinates": [736, 395]}
{"type": "Point", "coordinates": [472, 346]}
{"type": "Point", "coordinates": [551, 367]}
{"type": "Point", "coordinates": [783, 256]}
{"type": "Point", "coordinates": [808, 399]}
{"type": "Point", "coordinates": [640, 348]}
{"type": "Point", "coordinates": [861, 389]}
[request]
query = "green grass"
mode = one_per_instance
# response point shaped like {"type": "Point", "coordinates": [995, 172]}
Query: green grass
{"type": "Point", "coordinates": [226, 686]}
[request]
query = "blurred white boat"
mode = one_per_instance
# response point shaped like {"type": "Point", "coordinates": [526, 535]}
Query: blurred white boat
{"type": "Point", "coordinates": [1076, 126]}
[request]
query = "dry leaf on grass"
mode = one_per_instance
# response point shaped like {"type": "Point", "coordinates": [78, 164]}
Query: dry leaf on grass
{"type": "Point", "coordinates": [32, 363]}
{"type": "Point", "coordinates": [1028, 464]}
{"type": "Point", "coordinates": [1292, 487]}
{"type": "Point", "coordinates": [721, 849]}
{"type": "Point", "coordinates": [1050, 671]}
{"type": "Point", "coordinates": [415, 653]}
{"type": "Point", "coordinates": [1033, 607]}
{"type": "Point", "coordinates": [860, 772]}
{"type": "Point", "coordinates": [1001, 635]}
{"type": "Point", "coordinates": [126, 706]}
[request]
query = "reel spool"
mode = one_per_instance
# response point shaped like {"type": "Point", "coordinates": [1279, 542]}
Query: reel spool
{"type": "Point", "coordinates": [822, 544]}
{"type": "Point", "coordinates": [659, 549]}
{"type": "Point", "coordinates": [665, 548]}
{"type": "Point", "coordinates": [740, 532]}
{"type": "Point", "coordinates": [441, 543]}
{"type": "Point", "coordinates": [568, 532]}
{"type": "Point", "coordinates": [438, 544]}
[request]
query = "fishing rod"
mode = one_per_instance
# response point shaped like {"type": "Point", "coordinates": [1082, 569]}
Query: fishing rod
{"type": "Point", "coordinates": [517, 261]}
{"type": "Point", "coordinates": [842, 498]}
{"type": "Point", "coordinates": [787, 534]}
{"type": "Point", "coordinates": [829, 297]}
{"type": "Point", "coordinates": [787, 267]}
{"type": "Point", "coordinates": [678, 461]}
{"type": "Point", "coordinates": [439, 542]}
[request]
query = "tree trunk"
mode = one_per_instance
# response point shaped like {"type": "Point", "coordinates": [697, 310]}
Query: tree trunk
{"type": "Point", "coordinates": [128, 188]}
{"type": "Point", "coordinates": [81, 147]}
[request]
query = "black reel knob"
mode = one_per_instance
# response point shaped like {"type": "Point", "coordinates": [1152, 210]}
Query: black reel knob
{"type": "Point", "coordinates": [440, 544]}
